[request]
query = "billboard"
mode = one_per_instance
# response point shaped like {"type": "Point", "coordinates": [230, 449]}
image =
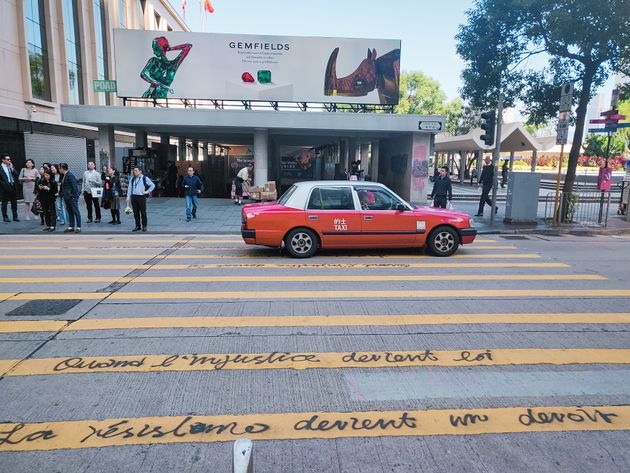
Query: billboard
{"type": "Point", "coordinates": [167, 64]}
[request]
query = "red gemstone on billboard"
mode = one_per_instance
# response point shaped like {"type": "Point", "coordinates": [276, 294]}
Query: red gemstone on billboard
{"type": "Point", "coordinates": [247, 77]}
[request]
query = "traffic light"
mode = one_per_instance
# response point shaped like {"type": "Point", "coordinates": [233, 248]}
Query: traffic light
{"type": "Point", "coordinates": [489, 119]}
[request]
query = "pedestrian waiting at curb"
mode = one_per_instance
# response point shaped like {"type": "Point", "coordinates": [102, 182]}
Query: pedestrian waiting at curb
{"type": "Point", "coordinates": [47, 194]}
{"type": "Point", "coordinates": [192, 188]}
{"type": "Point", "coordinates": [442, 189]}
{"type": "Point", "coordinates": [111, 194]}
{"type": "Point", "coordinates": [28, 176]}
{"type": "Point", "coordinates": [8, 188]}
{"type": "Point", "coordinates": [139, 187]}
{"type": "Point", "coordinates": [60, 207]}
{"type": "Point", "coordinates": [92, 181]}
{"type": "Point", "coordinates": [70, 193]}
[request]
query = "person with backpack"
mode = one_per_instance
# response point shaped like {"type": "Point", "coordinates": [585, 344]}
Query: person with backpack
{"type": "Point", "coordinates": [139, 187]}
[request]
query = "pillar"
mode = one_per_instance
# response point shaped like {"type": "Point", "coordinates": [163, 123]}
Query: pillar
{"type": "Point", "coordinates": [204, 151]}
{"type": "Point", "coordinates": [141, 139]}
{"type": "Point", "coordinates": [195, 150]}
{"type": "Point", "coordinates": [261, 156]}
{"type": "Point", "coordinates": [462, 166]}
{"type": "Point", "coordinates": [511, 161]}
{"type": "Point", "coordinates": [165, 143]}
{"type": "Point", "coordinates": [374, 161]}
{"type": "Point", "coordinates": [534, 159]}
{"type": "Point", "coordinates": [106, 147]}
{"type": "Point", "coordinates": [181, 149]}
{"type": "Point", "coordinates": [364, 155]}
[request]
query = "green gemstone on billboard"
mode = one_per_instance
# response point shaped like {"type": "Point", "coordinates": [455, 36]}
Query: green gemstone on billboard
{"type": "Point", "coordinates": [264, 77]}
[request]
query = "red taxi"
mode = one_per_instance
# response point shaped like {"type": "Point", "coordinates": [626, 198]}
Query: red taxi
{"type": "Point", "coordinates": [351, 214]}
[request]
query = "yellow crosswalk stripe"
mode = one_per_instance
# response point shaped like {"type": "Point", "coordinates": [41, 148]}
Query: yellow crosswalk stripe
{"type": "Point", "coordinates": [310, 321]}
{"type": "Point", "coordinates": [122, 431]}
{"type": "Point", "coordinates": [134, 256]}
{"type": "Point", "coordinates": [361, 294]}
{"type": "Point", "coordinates": [311, 360]}
{"type": "Point", "coordinates": [441, 264]}
{"type": "Point", "coordinates": [310, 278]}
{"type": "Point", "coordinates": [118, 247]}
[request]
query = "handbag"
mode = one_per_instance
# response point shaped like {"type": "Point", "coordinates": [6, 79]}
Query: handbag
{"type": "Point", "coordinates": [106, 204]}
{"type": "Point", "coordinates": [97, 192]}
{"type": "Point", "coordinates": [36, 208]}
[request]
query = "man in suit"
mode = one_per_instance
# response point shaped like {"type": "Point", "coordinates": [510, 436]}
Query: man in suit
{"type": "Point", "coordinates": [486, 180]}
{"type": "Point", "coordinates": [9, 188]}
{"type": "Point", "coordinates": [70, 192]}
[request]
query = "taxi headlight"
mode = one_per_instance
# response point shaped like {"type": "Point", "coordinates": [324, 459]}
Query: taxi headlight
{"type": "Point", "coordinates": [248, 216]}
{"type": "Point", "coordinates": [471, 223]}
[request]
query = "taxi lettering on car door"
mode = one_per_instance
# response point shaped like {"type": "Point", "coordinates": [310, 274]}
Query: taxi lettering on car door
{"type": "Point", "coordinates": [332, 212]}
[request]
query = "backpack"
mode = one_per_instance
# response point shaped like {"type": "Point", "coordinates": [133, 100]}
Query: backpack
{"type": "Point", "coordinates": [144, 181]}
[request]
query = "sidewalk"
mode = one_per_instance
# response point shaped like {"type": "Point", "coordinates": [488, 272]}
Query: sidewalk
{"type": "Point", "coordinates": [221, 216]}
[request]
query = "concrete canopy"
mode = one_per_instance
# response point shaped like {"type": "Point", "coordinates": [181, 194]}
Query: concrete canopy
{"type": "Point", "coordinates": [235, 124]}
{"type": "Point", "coordinates": [514, 137]}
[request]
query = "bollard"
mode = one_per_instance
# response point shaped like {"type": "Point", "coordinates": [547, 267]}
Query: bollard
{"type": "Point", "coordinates": [243, 461]}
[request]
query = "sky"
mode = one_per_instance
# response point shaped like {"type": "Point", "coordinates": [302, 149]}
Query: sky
{"type": "Point", "coordinates": [426, 28]}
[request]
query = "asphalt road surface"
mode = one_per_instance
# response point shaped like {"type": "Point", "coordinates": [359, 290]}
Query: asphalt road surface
{"type": "Point", "coordinates": [154, 353]}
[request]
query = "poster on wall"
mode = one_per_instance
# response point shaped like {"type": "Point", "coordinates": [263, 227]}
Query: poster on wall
{"type": "Point", "coordinates": [167, 64]}
{"type": "Point", "coordinates": [298, 164]}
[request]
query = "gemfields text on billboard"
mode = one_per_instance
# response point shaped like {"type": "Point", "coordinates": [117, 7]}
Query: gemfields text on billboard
{"type": "Point", "coordinates": [167, 64]}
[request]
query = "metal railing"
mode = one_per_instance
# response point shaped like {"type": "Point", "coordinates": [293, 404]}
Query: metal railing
{"type": "Point", "coordinates": [583, 208]}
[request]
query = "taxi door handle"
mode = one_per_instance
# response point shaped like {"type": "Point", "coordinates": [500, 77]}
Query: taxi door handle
{"type": "Point", "coordinates": [312, 217]}
{"type": "Point", "coordinates": [368, 217]}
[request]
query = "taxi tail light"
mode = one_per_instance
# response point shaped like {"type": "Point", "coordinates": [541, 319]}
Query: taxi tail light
{"type": "Point", "coordinates": [243, 220]}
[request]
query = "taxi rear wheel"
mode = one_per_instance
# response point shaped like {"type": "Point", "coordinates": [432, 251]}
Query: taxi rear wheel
{"type": "Point", "coordinates": [301, 243]}
{"type": "Point", "coordinates": [443, 241]}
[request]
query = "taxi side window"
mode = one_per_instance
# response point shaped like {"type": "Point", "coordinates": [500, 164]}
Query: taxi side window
{"type": "Point", "coordinates": [339, 198]}
{"type": "Point", "coordinates": [376, 199]}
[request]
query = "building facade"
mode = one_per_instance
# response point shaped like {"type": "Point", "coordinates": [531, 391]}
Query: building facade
{"type": "Point", "coordinates": [51, 51]}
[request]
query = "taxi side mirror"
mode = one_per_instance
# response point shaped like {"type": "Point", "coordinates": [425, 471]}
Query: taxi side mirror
{"type": "Point", "coordinates": [401, 207]}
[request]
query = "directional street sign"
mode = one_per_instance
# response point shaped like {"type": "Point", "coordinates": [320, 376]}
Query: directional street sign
{"type": "Point", "coordinates": [565, 103]}
{"type": "Point", "coordinates": [430, 126]}
{"type": "Point", "coordinates": [562, 132]}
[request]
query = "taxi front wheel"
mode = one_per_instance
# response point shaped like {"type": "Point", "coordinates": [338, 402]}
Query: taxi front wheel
{"type": "Point", "coordinates": [301, 243]}
{"type": "Point", "coordinates": [443, 241]}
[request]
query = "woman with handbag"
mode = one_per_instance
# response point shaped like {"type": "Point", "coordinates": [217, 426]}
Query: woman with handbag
{"type": "Point", "coordinates": [46, 195]}
{"type": "Point", "coordinates": [111, 193]}
{"type": "Point", "coordinates": [28, 176]}
{"type": "Point", "coordinates": [60, 207]}
{"type": "Point", "coordinates": [37, 208]}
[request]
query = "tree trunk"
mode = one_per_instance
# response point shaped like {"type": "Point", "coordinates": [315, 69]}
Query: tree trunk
{"type": "Point", "coordinates": [580, 112]}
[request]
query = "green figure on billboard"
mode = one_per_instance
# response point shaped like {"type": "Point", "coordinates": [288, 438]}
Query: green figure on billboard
{"type": "Point", "coordinates": [160, 71]}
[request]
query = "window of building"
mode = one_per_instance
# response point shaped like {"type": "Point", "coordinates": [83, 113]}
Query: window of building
{"type": "Point", "coordinates": [101, 47]}
{"type": "Point", "coordinates": [122, 13]}
{"type": "Point", "coordinates": [73, 51]}
{"type": "Point", "coordinates": [35, 26]}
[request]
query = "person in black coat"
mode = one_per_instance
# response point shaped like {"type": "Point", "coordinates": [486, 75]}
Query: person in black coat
{"type": "Point", "coordinates": [47, 195]}
{"type": "Point", "coordinates": [9, 180]}
{"type": "Point", "coordinates": [70, 192]}
{"type": "Point", "coordinates": [442, 189]}
{"type": "Point", "coordinates": [486, 180]}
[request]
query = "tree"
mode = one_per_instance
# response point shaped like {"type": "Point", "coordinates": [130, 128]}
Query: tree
{"type": "Point", "coordinates": [422, 95]}
{"type": "Point", "coordinates": [584, 41]}
{"type": "Point", "coordinates": [595, 145]}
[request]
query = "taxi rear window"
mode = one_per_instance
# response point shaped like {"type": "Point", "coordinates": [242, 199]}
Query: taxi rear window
{"type": "Point", "coordinates": [331, 198]}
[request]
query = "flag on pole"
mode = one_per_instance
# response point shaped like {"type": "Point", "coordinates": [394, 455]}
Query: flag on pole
{"type": "Point", "coordinates": [207, 6]}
